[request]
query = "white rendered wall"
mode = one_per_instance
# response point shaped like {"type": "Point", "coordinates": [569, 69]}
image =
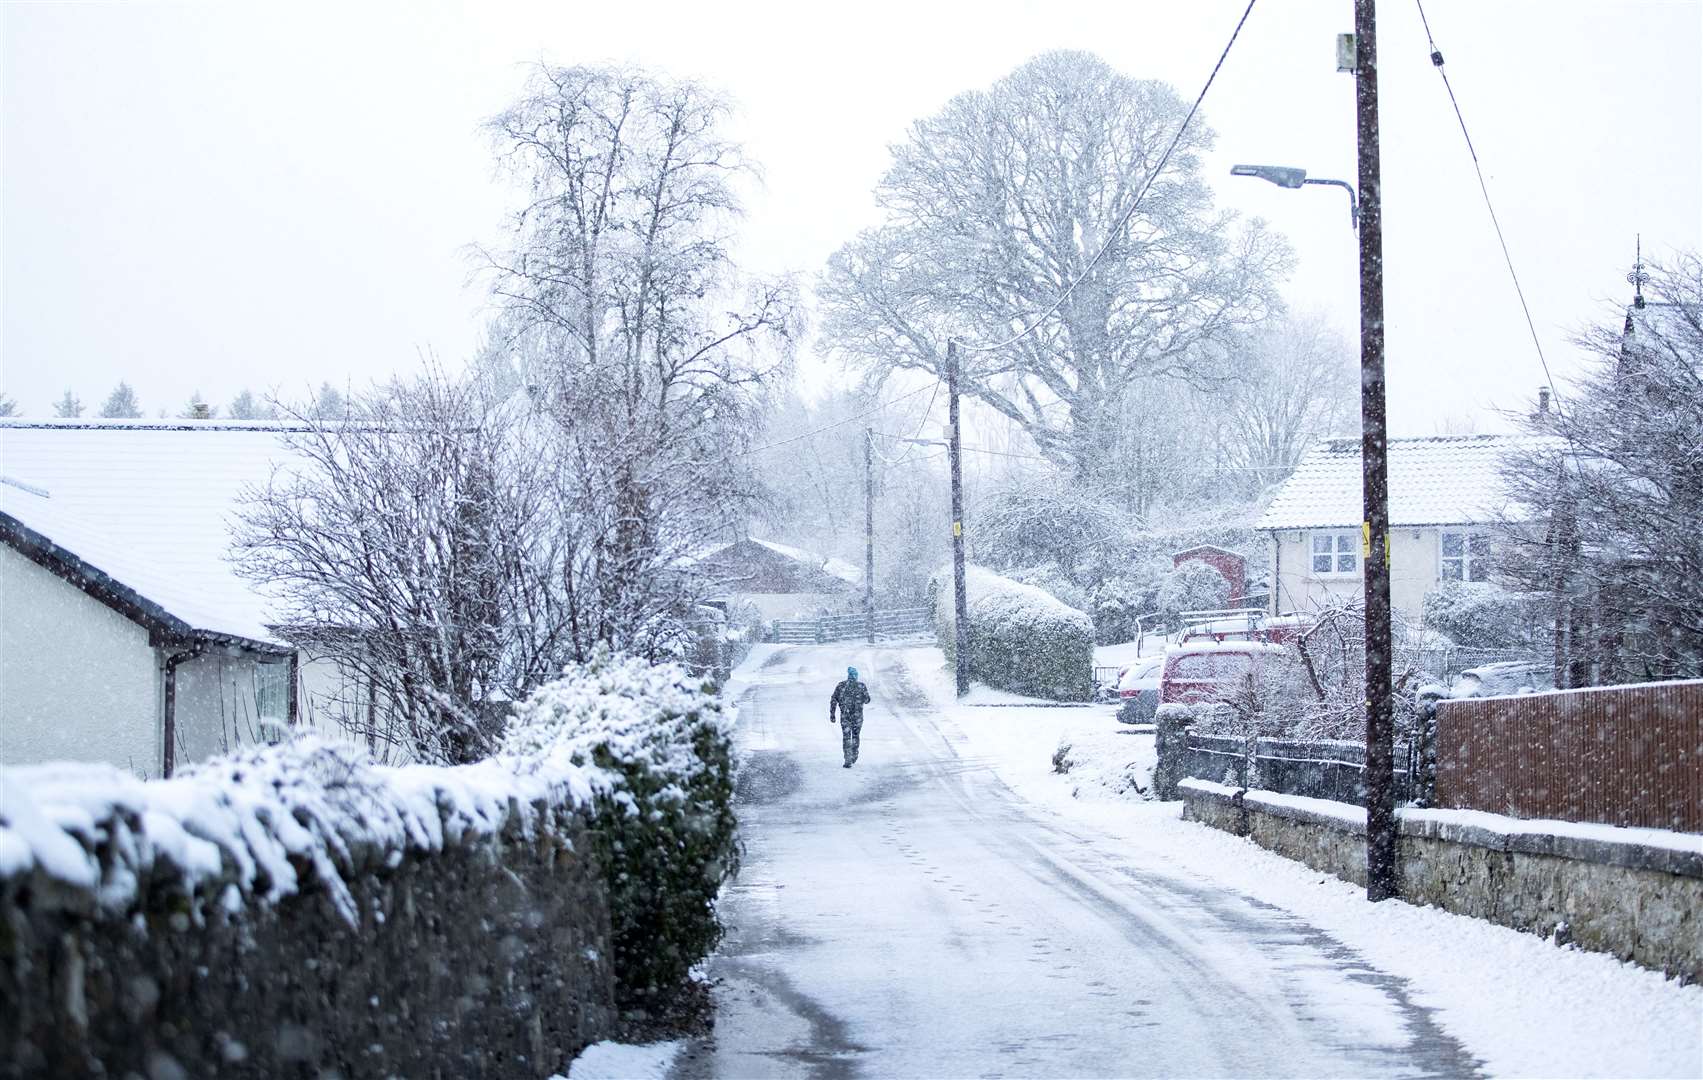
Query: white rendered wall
{"type": "Point", "coordinates": [78, 681]}
{"type": "Point", "coordinates": [1413, 573]}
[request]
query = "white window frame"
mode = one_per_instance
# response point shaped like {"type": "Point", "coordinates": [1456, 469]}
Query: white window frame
{"type": "Point", "coordinates": [1471, 539]}
{"type": "Point", "coordinates": [1344, 544]}
{"type": "Point", "coordinates": [272, 688]}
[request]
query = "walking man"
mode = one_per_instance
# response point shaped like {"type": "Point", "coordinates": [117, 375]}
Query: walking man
{"type": "Point", "coordinates": [848, 700]}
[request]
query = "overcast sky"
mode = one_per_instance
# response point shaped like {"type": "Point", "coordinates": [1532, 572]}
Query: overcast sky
{"type": "Point", "coordinates": [208, 196]}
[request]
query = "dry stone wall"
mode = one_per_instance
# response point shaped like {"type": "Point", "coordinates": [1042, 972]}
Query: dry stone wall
{"type": "Point", "coordinates": [301, 913]}
{"type": "Point", "coordinates": [1638, 898]}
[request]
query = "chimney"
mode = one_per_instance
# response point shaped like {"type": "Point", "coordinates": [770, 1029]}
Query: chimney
{"type": "Point", "coordinates": [1542, 402]}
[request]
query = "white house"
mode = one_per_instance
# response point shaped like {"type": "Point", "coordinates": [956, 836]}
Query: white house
{"type": "Point", "coordinates": [126, 635]}
{"type": "Point", "coordinates": [1445, 494]}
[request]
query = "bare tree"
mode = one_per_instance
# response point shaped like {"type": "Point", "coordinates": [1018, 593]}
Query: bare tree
{"type": "Point", "coordinates": [995, 205]}
{"type": "Point", "coordinates": [8, 406]}
{"type": "Point", "coordinates": [68, 406]}
{"type": "Point", "coordinates": [645, 347]}
{"type": "Point", "coordinates": [411, 542]}
{"type": "Point", "coordinates": [1296, 382]}
{"type": "Point", "coordinates": [1610, 493]}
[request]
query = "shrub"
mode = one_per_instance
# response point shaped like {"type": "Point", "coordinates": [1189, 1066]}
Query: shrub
{"type": "Point", "coordinates": [666, 833]}
{"type": "Point", "coordinates": [1021, 638]}
{"type": "Point", "coordinates": [1193, 586]}
{"type": "Point", "coordinates": [1476, 614]}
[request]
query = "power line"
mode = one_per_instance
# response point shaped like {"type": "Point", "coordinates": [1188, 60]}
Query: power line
{"type": "Point", "coordinates": [837, 423]}
{"type": "Point", "coordinates": [889, 466]}
{"type": "Point", "coordinates": [1437, 62]}
{"type": "Point", "coordinates": [1117, 230]}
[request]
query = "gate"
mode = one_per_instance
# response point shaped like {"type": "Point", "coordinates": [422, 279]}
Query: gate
{"type": "Point", "coordinates": [896, 623]}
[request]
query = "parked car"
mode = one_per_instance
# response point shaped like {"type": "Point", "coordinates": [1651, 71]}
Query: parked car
{"type": "Point", "coordinates": [1504, 677]}
{"type": "Point", "coordinates": [1138, 689]}
{"type": "Point", "coordinates": [1212, 670]}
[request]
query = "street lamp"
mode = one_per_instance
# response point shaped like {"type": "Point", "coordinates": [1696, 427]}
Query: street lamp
{"type": "Point", "coordinates": [1285, 176]}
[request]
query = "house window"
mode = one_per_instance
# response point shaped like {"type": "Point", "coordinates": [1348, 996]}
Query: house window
{"type": "Point", "coordinates": [1336, 552]}
{"type": "Point", "coordinates": [272, 690]}
{"type": "Point", "coordinates": [1466, 556]}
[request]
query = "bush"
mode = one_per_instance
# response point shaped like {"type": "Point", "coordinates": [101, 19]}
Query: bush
{"type": "Point", "coordinates": [1021, 638]}
{"type": "Point", "coordinates": [665, 832]}
{"type": "Point", "coordinates": [1193, 586]}
{"type": "Point", "coordinates": [1476, 615]}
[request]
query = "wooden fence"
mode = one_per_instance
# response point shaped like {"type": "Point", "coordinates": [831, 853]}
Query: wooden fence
{"type": "Point", "coordinates": [1625, 755]}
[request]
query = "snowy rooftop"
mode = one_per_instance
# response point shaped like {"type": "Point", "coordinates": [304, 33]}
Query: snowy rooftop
{"type": "Point", "coordinates": [1438, 480]}
{"type": "Point", "coordinates": [839, 568]}
{"type": "Point", "coordinates": [150, 504]}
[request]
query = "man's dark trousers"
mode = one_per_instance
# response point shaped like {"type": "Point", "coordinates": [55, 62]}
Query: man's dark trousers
{"type": "Point", "coordinates": [851, 727]}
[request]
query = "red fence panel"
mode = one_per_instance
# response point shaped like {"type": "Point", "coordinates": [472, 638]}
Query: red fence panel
{"type": "Point", "coordinates": [1620, 755]}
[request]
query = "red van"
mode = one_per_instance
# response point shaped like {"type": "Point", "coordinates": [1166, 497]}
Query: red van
{"type": "Point", "coordinates": [1211, 670]}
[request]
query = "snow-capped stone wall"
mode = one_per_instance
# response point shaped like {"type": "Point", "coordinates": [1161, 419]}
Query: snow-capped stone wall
{"type": "Point", "coordinates": [299, 910]}
{"type": "Point", "coordinates": [1635, 893]}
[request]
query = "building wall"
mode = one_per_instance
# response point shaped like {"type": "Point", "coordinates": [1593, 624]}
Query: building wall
{"type": "Point", "coordinates": [78, 681]}
{"type": "Point", "coordinates": [1413, 573]}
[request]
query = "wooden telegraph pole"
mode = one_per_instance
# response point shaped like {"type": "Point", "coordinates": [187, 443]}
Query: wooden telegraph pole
{"type": "Point", "coordinates": [869, 533]}
{"type": "Point", "coordinates": [1374, 445]}
{"type": "Point", "coordinates": [960, 602]}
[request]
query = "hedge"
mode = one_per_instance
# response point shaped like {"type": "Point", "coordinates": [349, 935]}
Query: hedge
{"type": "Point", "coordinates": [1021, 638]}
{"type": "Point", "coordinates": [666, 834]}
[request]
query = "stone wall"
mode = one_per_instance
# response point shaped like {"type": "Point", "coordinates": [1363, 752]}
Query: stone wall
{"type": "Point", "coordinates": [488, 958]}
{"type": "Point", "coordinates": [298, 911]}
{"type": "Point", "coordinates": [1639, 897]}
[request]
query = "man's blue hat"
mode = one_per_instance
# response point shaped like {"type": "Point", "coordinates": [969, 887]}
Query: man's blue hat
{"type": "Point", "coordinates": [851, 673]}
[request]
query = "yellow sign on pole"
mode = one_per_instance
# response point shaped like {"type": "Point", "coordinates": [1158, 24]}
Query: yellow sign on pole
{"type": "Point", "coordinates": [957, 528]}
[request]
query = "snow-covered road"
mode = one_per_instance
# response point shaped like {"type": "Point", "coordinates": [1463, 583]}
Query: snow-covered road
{"type": "Point", "coordinates": [911, 917]}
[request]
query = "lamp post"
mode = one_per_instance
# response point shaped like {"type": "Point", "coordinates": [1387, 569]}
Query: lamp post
{"type": "Point", "coordinates": [1285, 176]}
{"type": "Point", "coordinates": [1374, 477]}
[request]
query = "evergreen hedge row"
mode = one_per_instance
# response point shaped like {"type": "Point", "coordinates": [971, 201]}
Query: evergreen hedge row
{"type": "Point", "coordinates": [666, 833]}
{"type": "Point", "coordinates": [1021, 638]}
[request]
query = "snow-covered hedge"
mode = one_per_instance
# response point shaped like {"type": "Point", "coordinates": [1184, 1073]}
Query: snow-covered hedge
{"type": "Point", "coordinates": [666, 832]}
{"type": "Point", "coordinates": [1021, 638]}
{"type": "Point", "coordinates": [1476, 614]}
{"type": "Point", "coordinates": [263, 824]}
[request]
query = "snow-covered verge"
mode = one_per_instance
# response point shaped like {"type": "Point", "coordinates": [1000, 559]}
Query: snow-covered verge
{"type": "Point", "coordinates": [623, 1061]}
{"type": "Point", "coordinates": [1517, 1002]}
{"type": "Point", "coordinates": [264, 824]}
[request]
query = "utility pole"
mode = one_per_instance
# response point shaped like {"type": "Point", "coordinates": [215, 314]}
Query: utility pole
{"type": "Point", "coordinates": [960, 601]}
{"type": "Point", "coordinates": [1375, 535]}
{"type": "Point", "coordinates": [869, 533]}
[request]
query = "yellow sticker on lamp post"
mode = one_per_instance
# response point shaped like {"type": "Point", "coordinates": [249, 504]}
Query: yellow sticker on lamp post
{"type": "Point", "coordinates": [957, 528]}
{"type": "Point", "coordinates": [1365, 539]}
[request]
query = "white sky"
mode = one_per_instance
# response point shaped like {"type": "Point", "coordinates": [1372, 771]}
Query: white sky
{"type": "Point", "coordinates": [207, 196]}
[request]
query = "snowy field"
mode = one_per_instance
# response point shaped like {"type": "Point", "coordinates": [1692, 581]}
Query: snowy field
{"type": "Point", "coordinates": [1522, 1005]}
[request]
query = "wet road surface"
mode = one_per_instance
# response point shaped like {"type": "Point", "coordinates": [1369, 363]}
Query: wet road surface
{"type": "Point", "coordinates": [910, 917]}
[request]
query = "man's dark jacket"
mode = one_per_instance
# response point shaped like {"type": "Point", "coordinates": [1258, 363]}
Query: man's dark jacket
{"type": "Point", "coordinates": [849, 697]}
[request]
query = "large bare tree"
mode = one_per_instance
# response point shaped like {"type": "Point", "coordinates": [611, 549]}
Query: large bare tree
{"type": "Point", "coordinates": [996, 204]}
{"type": "Point", "coordinates": [644, 345]}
